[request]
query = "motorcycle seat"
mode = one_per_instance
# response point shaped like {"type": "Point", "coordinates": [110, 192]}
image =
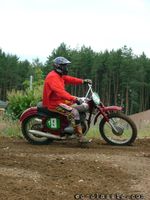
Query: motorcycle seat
{"type": "Point", "coordinates": [44, 110]}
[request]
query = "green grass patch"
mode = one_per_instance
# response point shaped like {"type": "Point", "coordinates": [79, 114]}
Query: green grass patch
{"type": "Point", "coordinates": [144, 132]}
{"type": "Point", "coordinates": [9, 127]}
{"type": "Point", "coordinates": [93, 132]}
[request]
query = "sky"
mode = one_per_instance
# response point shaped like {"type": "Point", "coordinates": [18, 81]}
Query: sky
{"type": "Point", "coordinates": [32, 29]}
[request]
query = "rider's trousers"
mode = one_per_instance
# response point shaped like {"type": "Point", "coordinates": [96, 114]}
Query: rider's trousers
{"type": "Point", "coordinates": [73, 111]}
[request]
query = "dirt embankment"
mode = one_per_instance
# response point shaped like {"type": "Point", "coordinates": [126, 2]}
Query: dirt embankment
{"type": "Point", "coordinates": [61, 170]}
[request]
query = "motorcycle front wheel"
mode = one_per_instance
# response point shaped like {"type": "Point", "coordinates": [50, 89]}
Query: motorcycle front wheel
{"type": "Point", "coordinates": [120, 130]}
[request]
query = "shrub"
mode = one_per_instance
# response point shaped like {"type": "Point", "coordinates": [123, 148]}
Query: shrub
{"type": "Point", "coordinates": [21, 100]}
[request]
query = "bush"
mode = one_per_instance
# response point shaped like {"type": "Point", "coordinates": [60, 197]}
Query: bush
{"type": "Point", "coordinates": [21, 100]}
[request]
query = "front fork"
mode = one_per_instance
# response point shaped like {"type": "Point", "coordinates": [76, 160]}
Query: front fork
{"type": "Point", "coordinates": [109, 121]}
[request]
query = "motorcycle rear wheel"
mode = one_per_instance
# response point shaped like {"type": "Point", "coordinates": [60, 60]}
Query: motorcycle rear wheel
{"type": "Point", "coordinates": [125, 131]}
{"type": "Point", "coordinates": [33, 123]}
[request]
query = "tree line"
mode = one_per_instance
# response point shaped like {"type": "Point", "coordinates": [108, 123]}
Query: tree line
{"type": "Point", "coordinates": [119, 76]}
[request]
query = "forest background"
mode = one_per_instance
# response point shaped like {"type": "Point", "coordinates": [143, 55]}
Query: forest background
{"type": "Point", "coordinates": [119, 76]}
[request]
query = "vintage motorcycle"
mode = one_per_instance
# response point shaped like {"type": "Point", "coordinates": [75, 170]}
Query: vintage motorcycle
{"type": "Point", "coordinates": [42, 126]}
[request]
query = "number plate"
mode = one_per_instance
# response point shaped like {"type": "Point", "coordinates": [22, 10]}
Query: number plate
{"type": "Point", "coordinates": [53, 123]}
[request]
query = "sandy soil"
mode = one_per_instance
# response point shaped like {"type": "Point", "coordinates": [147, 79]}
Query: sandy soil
{"type": "Point", "coordinates": [63, 170]}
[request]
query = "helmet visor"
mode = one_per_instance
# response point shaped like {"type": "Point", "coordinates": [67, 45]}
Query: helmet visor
{"type": "Point", "coordinates": [64, 68]}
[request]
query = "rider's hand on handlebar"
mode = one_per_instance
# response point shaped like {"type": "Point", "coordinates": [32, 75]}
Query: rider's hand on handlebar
{"type": "Point", "coordinates": [78, 101]}
{"type": "Point", "coordinates": [89, 81]}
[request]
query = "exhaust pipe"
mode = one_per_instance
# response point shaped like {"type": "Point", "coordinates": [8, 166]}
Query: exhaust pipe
{"type": "Point", "coordinates": [43, 134]}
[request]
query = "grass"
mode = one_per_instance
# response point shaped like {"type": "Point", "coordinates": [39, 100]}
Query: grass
{"type": "Point", "coordinates": [9, 127]}
{"type": "Point", "coordinates": [145, 132]}
{"type": "Point", "coordinates": [93, 132]}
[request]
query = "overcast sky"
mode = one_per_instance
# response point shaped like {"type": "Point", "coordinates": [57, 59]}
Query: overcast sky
{"type": "Point", "coordinates": [33, 28]}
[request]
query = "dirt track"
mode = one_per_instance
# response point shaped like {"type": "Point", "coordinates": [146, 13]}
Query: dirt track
{"type": "Point", "coordinates": [61, 170]}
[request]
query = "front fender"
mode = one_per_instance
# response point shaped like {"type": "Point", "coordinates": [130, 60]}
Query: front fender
{"type": "Point", "coordinates": [28, 112]}
{"type": "Point", "coordinates": [112, 108]}
{"type": "Point", "coordinates": [105, 110]}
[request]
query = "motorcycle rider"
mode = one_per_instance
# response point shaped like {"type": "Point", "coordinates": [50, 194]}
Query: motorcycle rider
{"type": "Point", "coordinates": [57, 99]}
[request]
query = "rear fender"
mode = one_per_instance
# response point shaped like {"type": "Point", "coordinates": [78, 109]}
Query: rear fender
{"type": "Point", "coordinates": [28, 112]}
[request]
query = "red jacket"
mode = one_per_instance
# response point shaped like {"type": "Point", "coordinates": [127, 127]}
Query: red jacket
{"type": "Point", "coordinates": [54, 91]}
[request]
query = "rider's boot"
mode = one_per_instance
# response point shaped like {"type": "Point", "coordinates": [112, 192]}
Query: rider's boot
{"type": "Point", "coordinates": [79, 133]}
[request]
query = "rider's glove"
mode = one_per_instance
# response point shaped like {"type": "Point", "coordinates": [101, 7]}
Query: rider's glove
{"type": "Point", "coordinates": [89, 81]}
{"type": "Point", "coordinates": [77, 101]}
